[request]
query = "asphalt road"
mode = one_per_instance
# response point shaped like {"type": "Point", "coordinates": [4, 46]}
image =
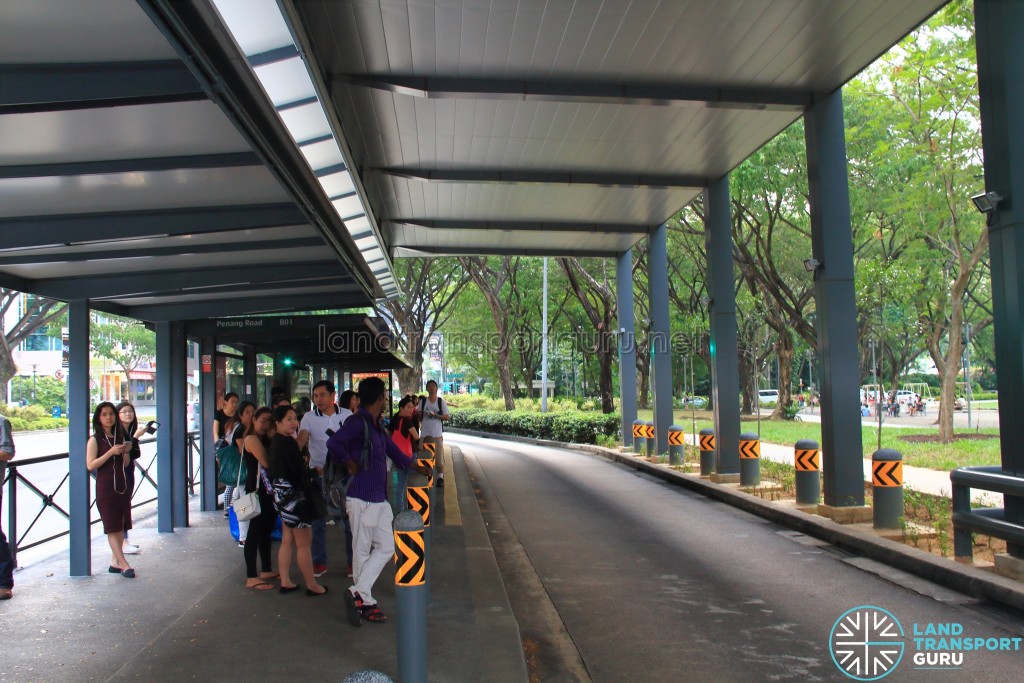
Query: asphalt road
{"type": "Point", "coordinates": [616, 576]}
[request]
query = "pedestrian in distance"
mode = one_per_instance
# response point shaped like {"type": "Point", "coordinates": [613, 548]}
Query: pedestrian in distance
{"type": "Point", "coordinates": [6, 556]}
{"type": "Point", "coordinates": [129, 424]}
{"type": "Point", "coordinates": [363, 447]}
{"type": "Point", "coordinates": [254, 445]}
{"type": "Point", "coordinates": [433, 414]}
{"type": "Point", "coordinates": [404, 428]}
{"type": "Point", "coordinates": [108, 454]}
{"type": "Point", "coordinates": [296, 502]}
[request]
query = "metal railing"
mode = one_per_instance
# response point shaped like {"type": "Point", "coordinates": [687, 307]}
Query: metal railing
{"type": "Point", "coordinates": [16, 476]}
{"type": "Point", "coordinates": [990, 521]}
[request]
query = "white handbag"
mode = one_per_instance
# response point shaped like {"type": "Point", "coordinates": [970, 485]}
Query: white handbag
{"type": "Point", "coordinates": [248, 505]}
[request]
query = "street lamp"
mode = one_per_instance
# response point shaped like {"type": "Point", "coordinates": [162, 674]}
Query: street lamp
{"type": "Point", "coordinates": [34, 383]}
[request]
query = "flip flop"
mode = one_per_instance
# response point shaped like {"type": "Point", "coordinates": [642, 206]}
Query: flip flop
{"type": "Point", "coordinates": [270, 576]}
{"type": "Point", "coordinates": [261, 586]}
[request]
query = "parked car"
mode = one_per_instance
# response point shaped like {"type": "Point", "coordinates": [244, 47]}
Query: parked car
{"type": "Point", "coordinates": [768, 396]}
{"type": "Point", "coordinates": [904, 397]}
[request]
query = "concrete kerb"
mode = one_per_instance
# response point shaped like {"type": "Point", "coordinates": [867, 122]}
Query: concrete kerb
{"type": "Point", "coordinates": [964, 579]}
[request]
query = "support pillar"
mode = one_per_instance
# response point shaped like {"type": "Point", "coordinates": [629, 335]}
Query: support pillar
{"type": "Point", "coordinates": [725, 376]}
{"type": "Point", "coordinates": [1000, 38]}
{"type": "Point", "coordinates": [79, 424]}
{"type": "Point", "coordinates": [627, 344]}
{"type": "Point", "coordinates": [661, 339]}
{"type": "Point", "coordinates": [164, 457]}
{"type": "Point", "coordinates": [836, 320]}
{"type": "Point", "coordinates": [176, 415]}
{"type": "Point", "coordinates": [208, 402]}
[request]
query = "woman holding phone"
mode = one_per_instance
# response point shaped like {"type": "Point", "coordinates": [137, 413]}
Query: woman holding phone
{"type": "Point", "coordinates": [108, 454]}
{"type": "Point", "coordinates": [129, 425]}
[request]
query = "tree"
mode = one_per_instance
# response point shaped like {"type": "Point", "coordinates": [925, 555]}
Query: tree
{"type": "Point", "coordinates": [429, 289]}
{"type": "Point", "coordinates": [495, 280]}
{"type": "Point", "coordinates": [123, 341]}
{"type": "Point", "coordinates": [36, 312]}
{"type": "Point", "coordinates": [597, 296]}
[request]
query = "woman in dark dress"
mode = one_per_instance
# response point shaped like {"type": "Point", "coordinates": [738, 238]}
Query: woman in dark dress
{"type": "Point", "coordinates": [129, 425]}
{"type": "Point", "coordinates": [108, 454]}
{"type": "Point", "coordinates": [253, 446]}
{"type": "Point", "coordinates": [293, 496]}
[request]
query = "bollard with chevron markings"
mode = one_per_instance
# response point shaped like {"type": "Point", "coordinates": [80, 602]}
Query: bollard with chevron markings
{"type": "Point", "coordinates": [639, 436]}
{"type": "Point", "coordinates": [750, 459]}
{"type": "Point", "coordinates": [707, 452]}
{"type": "Point", "coordinates": [411, 596]}
{"type": "Point", "coordinates": [676, 444]}
{"type": "Point", "coordinates": [887, 485]}
{"type": "Point", "coordinates": [649, 437]}
{"type": "Point", "coordinates": [808, 472]}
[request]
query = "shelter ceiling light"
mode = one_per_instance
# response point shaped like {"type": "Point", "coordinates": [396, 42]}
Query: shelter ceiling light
{"type": "Point", "coordinates": [263, 34]}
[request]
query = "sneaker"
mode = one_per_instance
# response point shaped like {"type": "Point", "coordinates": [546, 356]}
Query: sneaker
{"type": "Point", "coordinates": [319, 570]}
{"type": "Point", "coordinates": [241, 543]}
{"type": "Point", "coordinates": [350, 571]}
{"type": "Point", "coordinates": [130, 549]}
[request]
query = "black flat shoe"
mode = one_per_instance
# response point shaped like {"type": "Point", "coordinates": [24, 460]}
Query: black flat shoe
{"type": "Point", "coordinates": [113, 570]}
{"type": "Point", "coordinates": [128, 573]}
{"type": "Point", "coordinates": [310, 593]}
{"type": "Point", "coordinates": [288, 589]}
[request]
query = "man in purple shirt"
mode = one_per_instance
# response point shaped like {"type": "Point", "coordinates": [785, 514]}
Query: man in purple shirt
{"type": "Point", "coordinates": [369, 513]}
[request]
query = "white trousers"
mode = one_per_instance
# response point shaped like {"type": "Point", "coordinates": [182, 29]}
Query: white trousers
{"type": "Point", "coordinates": [373, 543]}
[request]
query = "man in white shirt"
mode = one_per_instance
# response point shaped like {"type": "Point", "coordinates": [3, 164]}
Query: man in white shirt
{"type": "Point", "coordinates": [433, 413]}
{"type": "Point", "coordinates": [316, 427]}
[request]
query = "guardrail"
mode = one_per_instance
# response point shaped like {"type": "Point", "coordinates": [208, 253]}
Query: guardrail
{"type": "Point", "coordinates": [16, 476]}
{"type": "Point", "coordinates": [990, 521]}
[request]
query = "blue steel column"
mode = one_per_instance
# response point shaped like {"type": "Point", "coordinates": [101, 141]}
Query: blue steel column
{"type": "Point", "coordinates": [164, 457]}
{"type": "Point", "coordinates": [627, 344]}
{"type": "Point", "coordinates": [836, 320]}
{"type": "Point", "coordinates": [661, 347]}
{"type": "Point", "coordinates": [208, 403]}
{"type": "Point", "coordinates": [179, 456]}
{"type": "Point", "coordinates": [725, 376]}
{"type": "Point", "coordinates": [79, 427]}
{"type": "Point", "coordinates": [1000, 38]}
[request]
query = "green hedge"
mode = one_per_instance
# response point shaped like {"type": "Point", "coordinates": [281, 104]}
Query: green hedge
{"type": "Point", "coordinates": [572, 427]}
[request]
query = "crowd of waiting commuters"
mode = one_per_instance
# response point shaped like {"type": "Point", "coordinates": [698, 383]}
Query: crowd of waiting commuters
{"type": "Point", "coordinates": [295, 458]}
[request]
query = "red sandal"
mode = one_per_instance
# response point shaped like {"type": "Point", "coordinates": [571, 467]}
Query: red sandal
{"type": "Point", "coordinates": [373, 614]}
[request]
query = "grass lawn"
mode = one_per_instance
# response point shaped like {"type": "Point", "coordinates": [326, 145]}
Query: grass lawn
{"type": "Point", "coordinates": [936, 456]}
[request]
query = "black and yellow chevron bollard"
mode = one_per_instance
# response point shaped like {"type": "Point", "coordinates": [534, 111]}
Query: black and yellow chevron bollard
{"type": "Point", "coordinates": [887, 488]}
{"type": "Point", "coordinates": [807, 461]}
{"type": "Point", "coordinates": [676, 444]}
{"type": "Point", "coordinates": [411, 596]}
{"type": "Point", "coordinates": [750, 459]}
{"type": "Point", "coordinates": [639, 436]}
{"type": "Point", "coordinates": [707, 452]}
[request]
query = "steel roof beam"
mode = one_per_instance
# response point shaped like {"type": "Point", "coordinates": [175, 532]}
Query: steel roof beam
{"type": "Point", "coordinates": [597, 92]}
{"type": "Point", "coordinates": [149, 282]}
{"type": "Point", "coordinates": [108, 166]}
{"type": "Point", "coordinates": [222, 308]}
{"type": "Point", "coordinates": [341, 283]}
{"type": "Point", "coordinates": [29, 257]}
{"type": "Point", "coordinates": [68, 229]}
{"type": "Point", "coordinates": [527, 226]}
{"type": "Point", "coordinates": [424, 251]}
{"type": "Point", "coordinates": [547, 177]}
{"type": "Point", "coordinates": [31, 88]}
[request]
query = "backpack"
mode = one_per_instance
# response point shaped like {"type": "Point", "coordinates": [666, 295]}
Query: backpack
{"type": "Point", "coordinates": [337, 478]}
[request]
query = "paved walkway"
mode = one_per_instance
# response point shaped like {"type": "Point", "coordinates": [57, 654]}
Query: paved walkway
{"type": "Point", "coordinates": [188, 617]}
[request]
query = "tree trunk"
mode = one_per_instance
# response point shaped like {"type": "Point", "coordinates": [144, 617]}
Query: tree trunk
{"type": "Point", "coordinates": [607, 344]}
{"type": "Point", "coordinates": [785, 351]}
{"type": "Point", "coordinates": [409, 379]}
{"type": "Point", "coordinates": [505, 377]}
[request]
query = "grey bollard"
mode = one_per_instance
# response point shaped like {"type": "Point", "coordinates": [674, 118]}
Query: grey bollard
{"type": "Point", "coordinates": [639, 441]}
{"type": "Point", "coordinates": [707, 452]}
{"type": "Point", "coordinates": [411, 597]}
{"type": "Point", "coordinates": [750, 459]}
{"type": "Point", "coordinates": [887, 483]}
{"type": "Point", "coordinates": [807, 461]}
{"type": "Point", "coordinates": [649, 438]}
{"type": "Point", "coordinates": [676, 444]}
